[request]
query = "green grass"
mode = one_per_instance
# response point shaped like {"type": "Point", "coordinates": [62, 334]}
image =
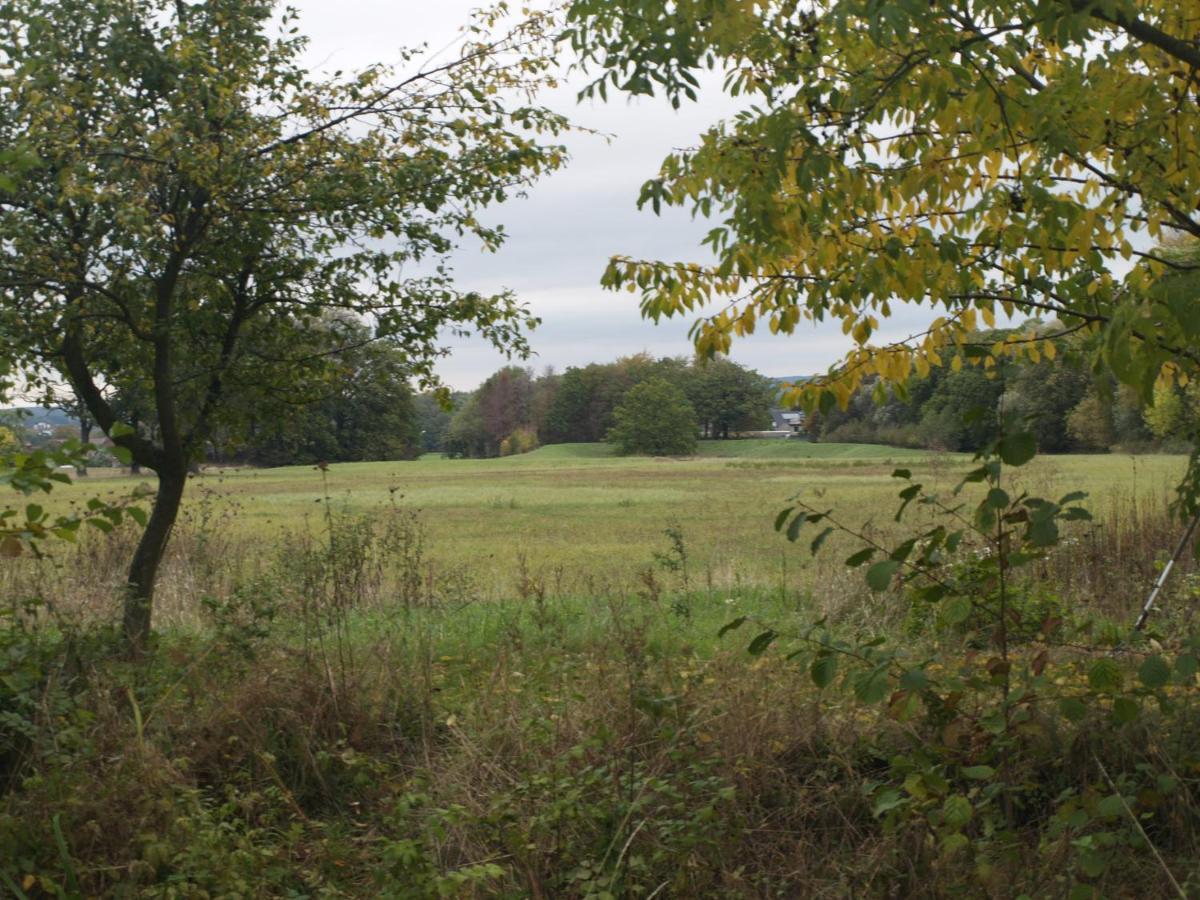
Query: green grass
{"type": "Point", "coordinates": [756, 448]}
{"type": "Point", "coordinates": [796, 449]}
{"type": "Point", "coordinates": [583, 518]}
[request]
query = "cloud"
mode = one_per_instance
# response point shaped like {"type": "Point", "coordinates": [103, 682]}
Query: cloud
{"type": "Point", "coordinates": [562, 234]}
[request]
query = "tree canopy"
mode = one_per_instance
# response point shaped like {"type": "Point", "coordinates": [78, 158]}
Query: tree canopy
{"type": "Point", "coordinates": [362, 411]}
{"type": "Point", "coordinates": [201, 202]}
{"type": "Point", "coordinates": [1016, 157]}
{"type": "Point", "coordinates": [654, 419]}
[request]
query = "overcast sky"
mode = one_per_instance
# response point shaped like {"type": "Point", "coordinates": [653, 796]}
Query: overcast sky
{"type": "Point", "coordinates": [562, 234]}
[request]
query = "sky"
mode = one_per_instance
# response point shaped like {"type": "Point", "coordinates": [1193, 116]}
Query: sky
{"type": "Point", "coordinates": [562, 234]}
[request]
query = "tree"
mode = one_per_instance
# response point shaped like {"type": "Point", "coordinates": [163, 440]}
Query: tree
{"type": "Point", "coordinates": [1043, 395]}
{"type": "Point", "coordinates": [960, 414]}
{"type": "Point", "coordinates": [1090, 423]}
{"type": "Point", "coordinates": [364, 411]}
{"type": "Point", "coordinates": [466, 436]}
{"type": "Point", "coordinates": [729, 398]}
{"type": "Point", "coordinates": [655, 419]}
{"type": "Point", "coordinates": [977, 159]}
{"type": "Point", "coordinates": [433, 419]}
{"type": "Point", "coordinates": [584, 401]}
{"type": "Point", "coordinates": [1172, 415]}
{"type": "Point", "coordinates": [201, 202]}
{"type": "Point", "coordinates": [506, 405]}
{"type": "Point", "coordinates": [501, 408]}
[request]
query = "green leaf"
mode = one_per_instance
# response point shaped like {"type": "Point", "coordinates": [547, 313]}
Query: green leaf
{"type": "Point", "coordinates": [819, 540]}
{"type": "Point", "coordinates": [871, 687]}
{"type": "Point", "coordinates": [857, 559]}
{"type": "Point", "coordinates": [914, 680]}
{"type": "Point", "coordinates": [137, 514]}
{"type": "Point", "coordinates": [1017, 449]}
{"type": "Point", "coordinates": [1154, 672]}
{"type": "Point", "coordinates": [887, 801]}
{"type": "Point", "coordinates": [1092, 864]}
{"type": "Point", "coordinates": [793, 530]}
{"type": "Point", "coordinates": [978, 773]}
{"type": "Point", "coordinates": [902, 552]}
{"type": "Point", "coordinates": [1042, 533]}
{"type": "Point", "coordinates": [762, 642]}
{"type": "Point", "coordinates": [1187, 666]}
{"type": "Point", "coordinates": [879, 576]}
{"type": "Point", "coordinates": [731, 626]}
{"type": "Point", "coordinates": [1125, 710]}
{"type": "Point", "coordinates": [955, 843]}
{"type": "Point", "coordinates": [1105, 676]}
{"type": "Point", "coordinates": [1074, 709]}
{"type": "Point", "coordinates": [123, 454]}
{"type": "Point", "coordinates": [782, 518]}
{"type": "Point", "coordinates": [956, 610]}
{"type": "Point", "coordinates": [823, 670]}
{"type": "Point", "coordinates": [1111, 806]}
{"type": "Point", "coordinates": [957, 811]}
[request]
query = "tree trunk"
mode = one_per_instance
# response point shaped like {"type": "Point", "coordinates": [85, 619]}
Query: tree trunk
{"type": "Point", "coordinates": [143, 571]}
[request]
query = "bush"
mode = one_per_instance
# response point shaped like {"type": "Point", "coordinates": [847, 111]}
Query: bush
{"type": "Point", "coordinates": [655, 419]}
{"type": "Point", "coordinates": [1032, 608]}
{"type": "Point", "coordinates": [523, 440]}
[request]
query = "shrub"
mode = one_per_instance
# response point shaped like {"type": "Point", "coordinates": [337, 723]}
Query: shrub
{"type": "Point", "coordinates": [522, 440]}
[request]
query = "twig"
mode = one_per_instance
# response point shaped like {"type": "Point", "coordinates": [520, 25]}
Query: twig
{"type": "Point", "coordinates": [1138, 825]}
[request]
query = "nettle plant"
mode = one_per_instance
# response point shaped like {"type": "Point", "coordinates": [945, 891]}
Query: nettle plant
{"type": "Point", "coordinates": [979, 707]}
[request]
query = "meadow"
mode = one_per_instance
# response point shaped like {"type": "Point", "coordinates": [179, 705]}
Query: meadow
{"type": "Point", "coordinates": [514, 678]}
{"type": "Point", "coordinates": [591, 522]}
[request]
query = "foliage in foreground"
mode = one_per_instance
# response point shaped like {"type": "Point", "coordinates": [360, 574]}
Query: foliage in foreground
{"type": "Point", "coordinates": [340, 726]}
{"type": "Point", "coordinates": [975, 160]}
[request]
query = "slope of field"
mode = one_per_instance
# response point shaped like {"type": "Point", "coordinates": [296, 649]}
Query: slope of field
{"type": "Point", "coordinates": [754, 448]}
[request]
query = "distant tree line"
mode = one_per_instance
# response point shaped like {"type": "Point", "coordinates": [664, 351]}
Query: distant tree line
{"type": "Point", "coordinates": [365, 409]}
{"type": "Point", "coordinates": [1068, 408]}
{"type": "Point", "coordinates": [515, 410]}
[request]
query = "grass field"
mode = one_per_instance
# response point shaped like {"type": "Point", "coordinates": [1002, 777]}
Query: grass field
{"type": "Point", "coordinates": [558, 713]}
{"type": "Point", "coordinates": [584, 519]}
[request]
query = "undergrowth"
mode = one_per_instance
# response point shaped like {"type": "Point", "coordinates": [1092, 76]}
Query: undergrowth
{"type": "Point", "coordinates": [344, 721]}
